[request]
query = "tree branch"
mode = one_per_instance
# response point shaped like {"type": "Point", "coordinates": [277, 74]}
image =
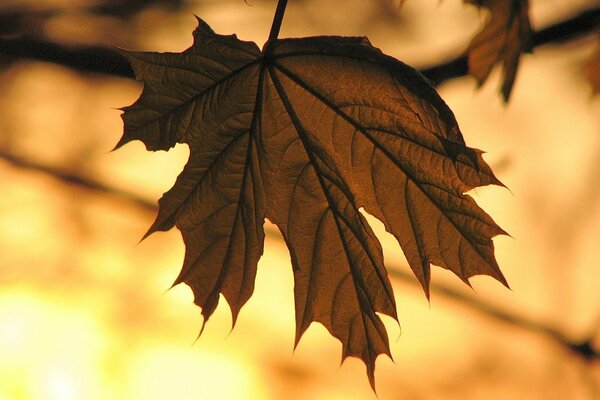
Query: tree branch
{"type": "Point", "coordinates": [94, 59]}
{"type": "Point", "coordinates": [583, 349]}
{"type": "Point", "coordinates": [104, 60]}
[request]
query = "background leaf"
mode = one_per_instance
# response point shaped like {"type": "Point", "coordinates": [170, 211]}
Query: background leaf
{"type": "Point", "coordinates": [504, 37]}
{"type": "Point", "coordinates": [591, 69]}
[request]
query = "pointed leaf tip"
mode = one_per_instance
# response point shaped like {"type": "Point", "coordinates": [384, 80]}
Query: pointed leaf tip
{"type": "Point", "coordinates": [203, 27]}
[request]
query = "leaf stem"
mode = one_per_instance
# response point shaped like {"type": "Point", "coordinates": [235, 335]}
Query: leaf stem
{"type": "Point", "coordinates": [277, 19]}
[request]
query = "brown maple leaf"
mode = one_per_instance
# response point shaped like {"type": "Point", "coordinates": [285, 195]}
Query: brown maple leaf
{"type": "Point", "coordinates": [305, 133]}
{"type": "Point", "coordinates": [504, 37]}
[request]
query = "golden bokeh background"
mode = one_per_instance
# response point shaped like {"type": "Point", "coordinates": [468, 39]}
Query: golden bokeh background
{"type": "Point", "coordinates": [85, 310]}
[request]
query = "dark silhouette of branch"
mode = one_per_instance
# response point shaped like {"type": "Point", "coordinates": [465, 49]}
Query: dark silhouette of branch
{"type": "Point", "coordinates": [94, 59]}
{"type": "Point", "coordinates": [583, 349]}
{"type": "Point", "coordinates": [104, 60]}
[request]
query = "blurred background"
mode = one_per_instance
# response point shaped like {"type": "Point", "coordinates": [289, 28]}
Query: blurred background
{"type": "Point", "coordinates": [84, 308]}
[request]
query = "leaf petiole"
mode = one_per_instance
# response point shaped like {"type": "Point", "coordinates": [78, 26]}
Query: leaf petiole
{"type": "Point", "coordinates": [277, 19]}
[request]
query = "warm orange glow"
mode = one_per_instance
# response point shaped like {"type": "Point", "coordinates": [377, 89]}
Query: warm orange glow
{"type": "Point", "coordinates": [50, 349]}
{"type": "Point", "coordinates": [229, 379]}
{"type": "Point", "coordinates": [85, 311]}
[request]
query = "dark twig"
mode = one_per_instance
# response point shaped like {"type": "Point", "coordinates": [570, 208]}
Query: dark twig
{"type": "Point", "coordinates": [94, 59]}
{"type": "Point", "coordinates": [584, 349]}
{"type": "Point", "coordinates": [572, 28]}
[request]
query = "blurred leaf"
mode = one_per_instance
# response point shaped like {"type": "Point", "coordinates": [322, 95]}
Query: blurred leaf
{"type": "Point", "coordinates": [305, 133]}
{"type": "Point", "coordinates": [504, 37]}
{"type": "Point", "coordinates": [592, 71]}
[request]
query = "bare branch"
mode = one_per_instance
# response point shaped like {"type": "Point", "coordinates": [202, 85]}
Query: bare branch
{"type": "Point", "coordinates": [108, 61]}
{"type": "Point", "coordinates": [94, 59]}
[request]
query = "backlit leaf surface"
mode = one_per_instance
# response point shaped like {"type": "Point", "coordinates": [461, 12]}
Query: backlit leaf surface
{"type": "Point", "coordinates": [305, 133]}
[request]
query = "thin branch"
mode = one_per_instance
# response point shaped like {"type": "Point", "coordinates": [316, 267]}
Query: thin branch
{"type": "Point", "coordinates": [108, 61]}
{"type": "Point", "coordinates": [93, 59]}
{"type": "Point", "coordinates": [584, 349]}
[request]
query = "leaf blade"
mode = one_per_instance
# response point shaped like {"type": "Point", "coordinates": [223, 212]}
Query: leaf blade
{"type": "Point", "coordinates": [347, 251]}
{"type": "Point", "coordinates": [462, 168]}
{"type": "Point", "coordinates": [305, 134]}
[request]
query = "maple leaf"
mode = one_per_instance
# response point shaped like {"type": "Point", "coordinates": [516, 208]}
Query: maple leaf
{"type": "Point", "coordinates": [505, 36]}
{"type": "Point", "coordinates": [305, 133]}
